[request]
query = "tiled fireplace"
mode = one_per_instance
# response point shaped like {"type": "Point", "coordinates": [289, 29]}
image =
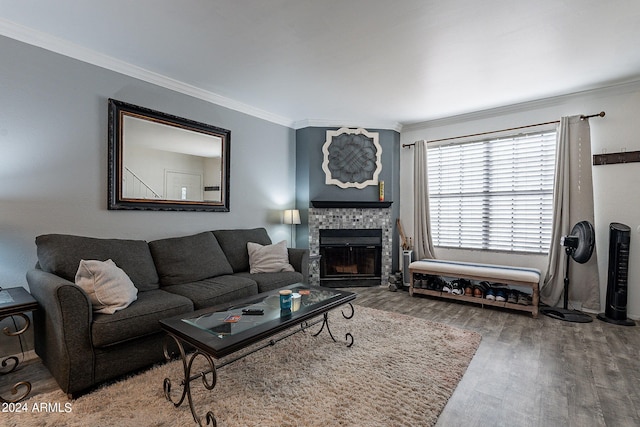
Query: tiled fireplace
{"type": "Point", "coordinates": [348, 216]}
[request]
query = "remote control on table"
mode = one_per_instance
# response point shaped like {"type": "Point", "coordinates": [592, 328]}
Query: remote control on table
{"type": "Point", "coordinates": [253, 311]}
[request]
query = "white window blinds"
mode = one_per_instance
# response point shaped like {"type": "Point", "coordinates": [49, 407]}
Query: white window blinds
{"type": "Point", "coordinates": [495, 194]}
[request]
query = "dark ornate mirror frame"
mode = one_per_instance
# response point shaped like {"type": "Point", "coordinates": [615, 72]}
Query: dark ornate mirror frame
{"type": "Point", "coordinates": [116, 201]}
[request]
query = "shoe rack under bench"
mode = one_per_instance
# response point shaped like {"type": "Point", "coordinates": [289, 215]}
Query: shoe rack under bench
{"type": "Point", "coordinates": [490, 276]}
{"type": "Point", "coordinates": [476, 300]}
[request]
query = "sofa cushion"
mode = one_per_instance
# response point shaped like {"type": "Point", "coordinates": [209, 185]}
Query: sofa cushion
{"type": "Point", "coordinates": [140, 319]}
{"type": "Point", "coordinates": [189, 258]}
{"type": "Point", "coordinates": [234, 245]}
{"type": "Point", "coordinates": [108, 287]}
{"type": "Point", "coordinates": [268, 258]}
{"type": "Point", "coordinates": [60, 254]}
{"type": "Point", "coordinates": [269, 281]}
{"type": "Point", "coordinates": [215, 290]}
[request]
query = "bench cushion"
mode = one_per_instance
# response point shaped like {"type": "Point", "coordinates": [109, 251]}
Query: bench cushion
{"type": "Point", "coordinates": [493, 272]}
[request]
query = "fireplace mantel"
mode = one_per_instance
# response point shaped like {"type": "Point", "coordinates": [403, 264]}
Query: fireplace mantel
{"type": "Point", "coordinates": [349, 204]}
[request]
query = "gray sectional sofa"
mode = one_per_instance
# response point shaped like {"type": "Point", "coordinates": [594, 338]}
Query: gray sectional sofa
{"type": "Point", "coordinates": [173, 276]}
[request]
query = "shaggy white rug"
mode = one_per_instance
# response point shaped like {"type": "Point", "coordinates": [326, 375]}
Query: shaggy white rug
{"type": "Point", "coordinates": [400, 371]}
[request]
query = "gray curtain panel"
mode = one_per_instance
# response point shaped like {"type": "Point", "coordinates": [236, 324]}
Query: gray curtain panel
{"type": "Point", "coordinates": [423, 245]}
{"type": "Point", "coordinates": [572, 203]}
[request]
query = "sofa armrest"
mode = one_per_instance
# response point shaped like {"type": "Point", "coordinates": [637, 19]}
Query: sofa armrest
{"type": "Point", "coordinates": [62, 330]}
{"type": "Point", "coordinates": [299, 259]}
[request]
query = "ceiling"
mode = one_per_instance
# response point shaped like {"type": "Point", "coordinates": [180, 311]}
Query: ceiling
{"type": "Point", "coordinates": [371, 63]}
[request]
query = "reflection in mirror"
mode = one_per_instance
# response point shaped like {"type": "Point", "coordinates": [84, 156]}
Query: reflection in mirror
{"type": "Point", "coordinates": [164, 162]}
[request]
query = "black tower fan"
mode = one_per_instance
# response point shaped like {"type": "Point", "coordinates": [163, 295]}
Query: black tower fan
{"type": "Point", "coordinates": [579, 246]}
{"type": "Point", "coordinates": [616, 304]}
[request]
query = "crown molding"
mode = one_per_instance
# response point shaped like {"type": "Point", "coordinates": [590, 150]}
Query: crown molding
{"type": "Point", "coordinates": [327, 123]}
{"type": "Point", "coordinates": [63, 47]}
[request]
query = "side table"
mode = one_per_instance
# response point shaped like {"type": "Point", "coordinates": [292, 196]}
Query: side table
{"type": "Point", "coordinates": [15, 302]}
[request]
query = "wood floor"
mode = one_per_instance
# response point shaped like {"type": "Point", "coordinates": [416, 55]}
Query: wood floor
{"type": "Point", "coordinates": [526, 372]}
{"type": "Point", "coordinates": [533, 372]}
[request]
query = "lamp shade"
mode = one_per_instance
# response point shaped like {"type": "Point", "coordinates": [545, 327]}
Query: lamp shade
{"type": "Point", "coordinates": [292, 216]}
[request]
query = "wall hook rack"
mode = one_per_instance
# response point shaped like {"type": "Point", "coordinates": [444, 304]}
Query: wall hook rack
{"type": "Point", "coordinates": [613, 158]}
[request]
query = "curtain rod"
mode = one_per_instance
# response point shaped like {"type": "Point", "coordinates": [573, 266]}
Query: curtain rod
{"type": "Point", "coordinates": [582, 117]}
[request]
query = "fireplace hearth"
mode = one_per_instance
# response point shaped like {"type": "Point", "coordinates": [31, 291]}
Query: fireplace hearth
{"type": "Point", "coordinates": [350, 257]}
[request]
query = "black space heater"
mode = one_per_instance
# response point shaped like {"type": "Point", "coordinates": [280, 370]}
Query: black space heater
{"type": "Point", "coordinates": [616, 304]}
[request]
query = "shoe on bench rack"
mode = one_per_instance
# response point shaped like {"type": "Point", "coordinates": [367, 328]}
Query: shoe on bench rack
{"type": "Point", "coordinates": [524, 299]}
{"type": "Point", "coordinates": [447, 287]}
{"type": "Point", "coordinates": [435, 283]}
{"type": "Point", "coordinates": [480, 289]}
{"type": "Point", "coordinates": [456, 287]}
{"type": "Point", "coordinates": [417, 281]}
{"type": "Point", "coordinates": [513, 296]}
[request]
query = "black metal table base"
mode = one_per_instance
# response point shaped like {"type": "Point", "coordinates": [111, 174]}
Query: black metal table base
{"type": "Point", "coordinates": [14, 361]}
{"type": "Point", "coordinates": [325, 323]}
{"type": "Point", "coordinates": [209, 375]}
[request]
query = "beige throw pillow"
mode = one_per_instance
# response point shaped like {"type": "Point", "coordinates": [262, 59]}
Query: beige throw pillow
{"type": "Point", "coordinates": [268, 259]}
{"type": "Point", "coordinates": [109, 288]}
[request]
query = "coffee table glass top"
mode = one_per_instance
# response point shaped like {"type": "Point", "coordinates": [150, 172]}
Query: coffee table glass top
{"type": "Point", "coordinates": [232, 321]}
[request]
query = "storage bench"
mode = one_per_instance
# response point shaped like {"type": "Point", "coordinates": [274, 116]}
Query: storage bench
{"type": "Point", "coordinates": [508, 275]}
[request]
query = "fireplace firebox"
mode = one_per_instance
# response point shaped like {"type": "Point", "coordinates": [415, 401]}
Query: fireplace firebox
{"type": "Point", "coordinates": [350, 257]}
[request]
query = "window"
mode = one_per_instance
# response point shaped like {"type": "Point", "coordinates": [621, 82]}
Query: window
{"type": "Point", "coordinates": [494, 194]}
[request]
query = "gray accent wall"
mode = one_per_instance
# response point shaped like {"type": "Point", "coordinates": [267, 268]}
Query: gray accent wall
{"type": "Point", "coordinates": [310, 179]}
{"type": "Point", "coordinates": [53, 161]}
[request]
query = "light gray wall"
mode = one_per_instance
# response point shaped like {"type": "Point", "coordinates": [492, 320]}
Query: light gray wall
{"type": "Point", "coordinates": [53, 158]}
{"type": "Point", "coordinates": [616, 196]}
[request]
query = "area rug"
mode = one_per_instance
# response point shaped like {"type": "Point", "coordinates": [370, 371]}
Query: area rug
{"type": "Point", "coordinates": [400, 371]}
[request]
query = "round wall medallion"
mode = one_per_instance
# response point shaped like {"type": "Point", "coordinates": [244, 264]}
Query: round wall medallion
{"type": "Point", "coordinates": [352, 158]}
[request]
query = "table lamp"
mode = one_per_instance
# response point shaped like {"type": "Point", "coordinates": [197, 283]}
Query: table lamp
{"type": "Point", "coordinates": [292, 217]}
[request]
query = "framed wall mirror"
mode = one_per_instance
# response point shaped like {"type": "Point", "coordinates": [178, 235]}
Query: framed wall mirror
{"type": "Point", "coordinates": [162, 162]}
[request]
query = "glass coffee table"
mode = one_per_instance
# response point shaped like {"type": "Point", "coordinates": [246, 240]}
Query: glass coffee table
{"type": "Point", "coordinates": [227, 329]}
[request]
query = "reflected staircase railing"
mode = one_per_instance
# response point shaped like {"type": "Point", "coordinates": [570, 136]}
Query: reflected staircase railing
{"type": "Point", "coordinates": [135, 187]}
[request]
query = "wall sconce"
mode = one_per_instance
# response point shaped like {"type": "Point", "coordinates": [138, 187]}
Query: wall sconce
{"type": "Point", "coordinates": [292, 217]}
